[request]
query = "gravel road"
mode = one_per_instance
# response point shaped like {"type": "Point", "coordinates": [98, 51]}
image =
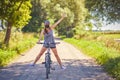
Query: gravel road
{"type": "Point", "coordinates": [78, 66]}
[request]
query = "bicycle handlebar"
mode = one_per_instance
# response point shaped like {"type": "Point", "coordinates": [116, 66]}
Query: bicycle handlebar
{"type": "Point", "coordinates": [48, 43]}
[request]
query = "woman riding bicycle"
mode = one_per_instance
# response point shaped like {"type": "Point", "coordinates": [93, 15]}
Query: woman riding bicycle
{"type": "Point", "coordinates": [48, 37]}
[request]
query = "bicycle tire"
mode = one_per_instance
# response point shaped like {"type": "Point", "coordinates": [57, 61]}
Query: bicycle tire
{"type": "Point", "coordinates": [47, 65]}
{"type": "Point", "coordinates": [47, 72]}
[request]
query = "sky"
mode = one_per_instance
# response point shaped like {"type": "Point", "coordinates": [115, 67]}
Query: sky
{"type": "Point", "coordinates": [110, 27]}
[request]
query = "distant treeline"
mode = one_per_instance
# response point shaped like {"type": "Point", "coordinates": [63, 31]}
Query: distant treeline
{"type": "Point", "coordinates": [109, 31]}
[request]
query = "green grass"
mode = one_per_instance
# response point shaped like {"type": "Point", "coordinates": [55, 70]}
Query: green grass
{"type": "Point", "coordinates": [108, 39]}
{"type": "Point", "coordinates": [6, 56]}
{"type": "Point", "coordinates": [18, 44]}
{"type": "Point", "coordinates": [109, 58]}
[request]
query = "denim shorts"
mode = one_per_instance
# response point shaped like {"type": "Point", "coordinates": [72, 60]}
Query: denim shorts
{"type": "Point", "coordinates": [50, 45]}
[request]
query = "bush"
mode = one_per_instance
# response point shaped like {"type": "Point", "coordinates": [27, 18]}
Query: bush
{"type": "Point", "coordinates": [6, 56]}
{"type": "Point", "coordinates": [19, 43]}
{"type": "Point", "coordinates": [113, 67]}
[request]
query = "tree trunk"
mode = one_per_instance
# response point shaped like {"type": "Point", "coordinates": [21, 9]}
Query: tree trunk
{"type": "Point", "coordinates": [9, 27]}
{"type": "Point", "coordinates": [2, 24]}
{"type": "Point", "coordinates": [8, 33]}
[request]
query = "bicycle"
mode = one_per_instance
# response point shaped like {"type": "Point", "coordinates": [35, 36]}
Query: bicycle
{"type": "Point", "coordinates": [48, 61]}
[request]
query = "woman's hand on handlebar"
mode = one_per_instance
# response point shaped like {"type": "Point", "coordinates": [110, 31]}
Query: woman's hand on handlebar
{"type": "Point", "coordinates": [38, 42]}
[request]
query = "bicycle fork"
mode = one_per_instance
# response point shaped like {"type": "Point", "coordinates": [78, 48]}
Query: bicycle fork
{"type": "Point", "coordinates": [47, 63]}
{"type": "Point", "coordinates": [47, 60]}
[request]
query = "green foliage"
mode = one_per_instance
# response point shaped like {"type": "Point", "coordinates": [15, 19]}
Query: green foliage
{"type": "Point", "coordinates": [109, 40]}
{"type": "Point", "coordinates": [22, 16]}
{"type": "Point", "coordinates": [76, 14]}
{"type": "Point", "coordinates": [6, 56]}
{"type": "Point", "coordinates": [15, 11]}
{"type": "Point", "coordinates": [2, 33]}
{"type": "Point", "coordinates": [19, 43]}
{"type": "Point", "coordinates": [108, 57]}
{"type": "Point", "coordinates": [38, 16]}
{"type": "Point", "coordinates": [107, 10]}
{"type": "Point", "coordinates": [113, 67]}
{"type": "Point", "coordinates": [26, 39]}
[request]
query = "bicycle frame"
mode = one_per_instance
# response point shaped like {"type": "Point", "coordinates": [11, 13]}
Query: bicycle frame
{"type": "Point", "coordinates": [47, 62]}
{"type": "Point", "coordinates": [48, 59]}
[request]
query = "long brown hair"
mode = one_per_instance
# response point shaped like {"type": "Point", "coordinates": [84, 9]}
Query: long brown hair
{"type": "Point", "coordinates": [45, 30]}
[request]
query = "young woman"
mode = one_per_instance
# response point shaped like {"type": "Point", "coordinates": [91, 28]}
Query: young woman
{"type": "Point", "coordinates": [48, 37]}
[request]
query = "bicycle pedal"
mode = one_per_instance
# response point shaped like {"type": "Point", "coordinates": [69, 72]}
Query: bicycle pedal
{"type": "Point", "coordinates": [52, 68]}
{"type": "Point", "coordinates": [43, 62]}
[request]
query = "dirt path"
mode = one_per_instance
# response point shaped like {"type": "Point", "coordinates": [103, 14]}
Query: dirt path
{"type": "Point", "coordinates": [79, 66]}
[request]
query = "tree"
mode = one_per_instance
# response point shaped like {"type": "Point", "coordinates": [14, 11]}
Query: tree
{"type": "Point", "coordinates": [105, 10]}
{"type": "Point", "coordinates": [2, 22]}
{"type": "Point", "coordinates": [75, 10]}
{"type": "Point", "coordinates": [15, 13]}
{"type": "Point", "coordinates": [38, 16]}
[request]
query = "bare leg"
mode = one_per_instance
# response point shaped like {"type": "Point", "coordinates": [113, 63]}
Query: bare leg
{"type": "Point", "coordinates": [40, 54]}
{"type": "Point", "coordinates": [57, 57]}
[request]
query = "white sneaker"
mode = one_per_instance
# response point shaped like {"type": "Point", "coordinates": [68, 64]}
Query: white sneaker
{"type": "Point", "coordinates": [32, 64]}
{"type": "Point", "coordinates": [63, 67]}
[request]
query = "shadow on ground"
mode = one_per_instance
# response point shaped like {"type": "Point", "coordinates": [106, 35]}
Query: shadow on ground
{"type": "Point", "coordinates": [75, 70]}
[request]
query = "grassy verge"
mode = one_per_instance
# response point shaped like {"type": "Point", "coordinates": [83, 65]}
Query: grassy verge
{"type": "Point", "coordinates": [109, 58]}
{"type": "Point", "coordinates": [18, 44]}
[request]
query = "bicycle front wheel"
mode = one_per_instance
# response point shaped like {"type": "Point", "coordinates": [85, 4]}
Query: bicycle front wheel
{"type": "Point", "coordinates": [47, 72]}
{"type": "Point", "coordinates": [47, 65]}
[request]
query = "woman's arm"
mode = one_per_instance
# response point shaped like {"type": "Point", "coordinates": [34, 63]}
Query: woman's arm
{"type": "Point", "coordinates": [54, 25]}
{"type": "Point", "coordinates": [41, 34]}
